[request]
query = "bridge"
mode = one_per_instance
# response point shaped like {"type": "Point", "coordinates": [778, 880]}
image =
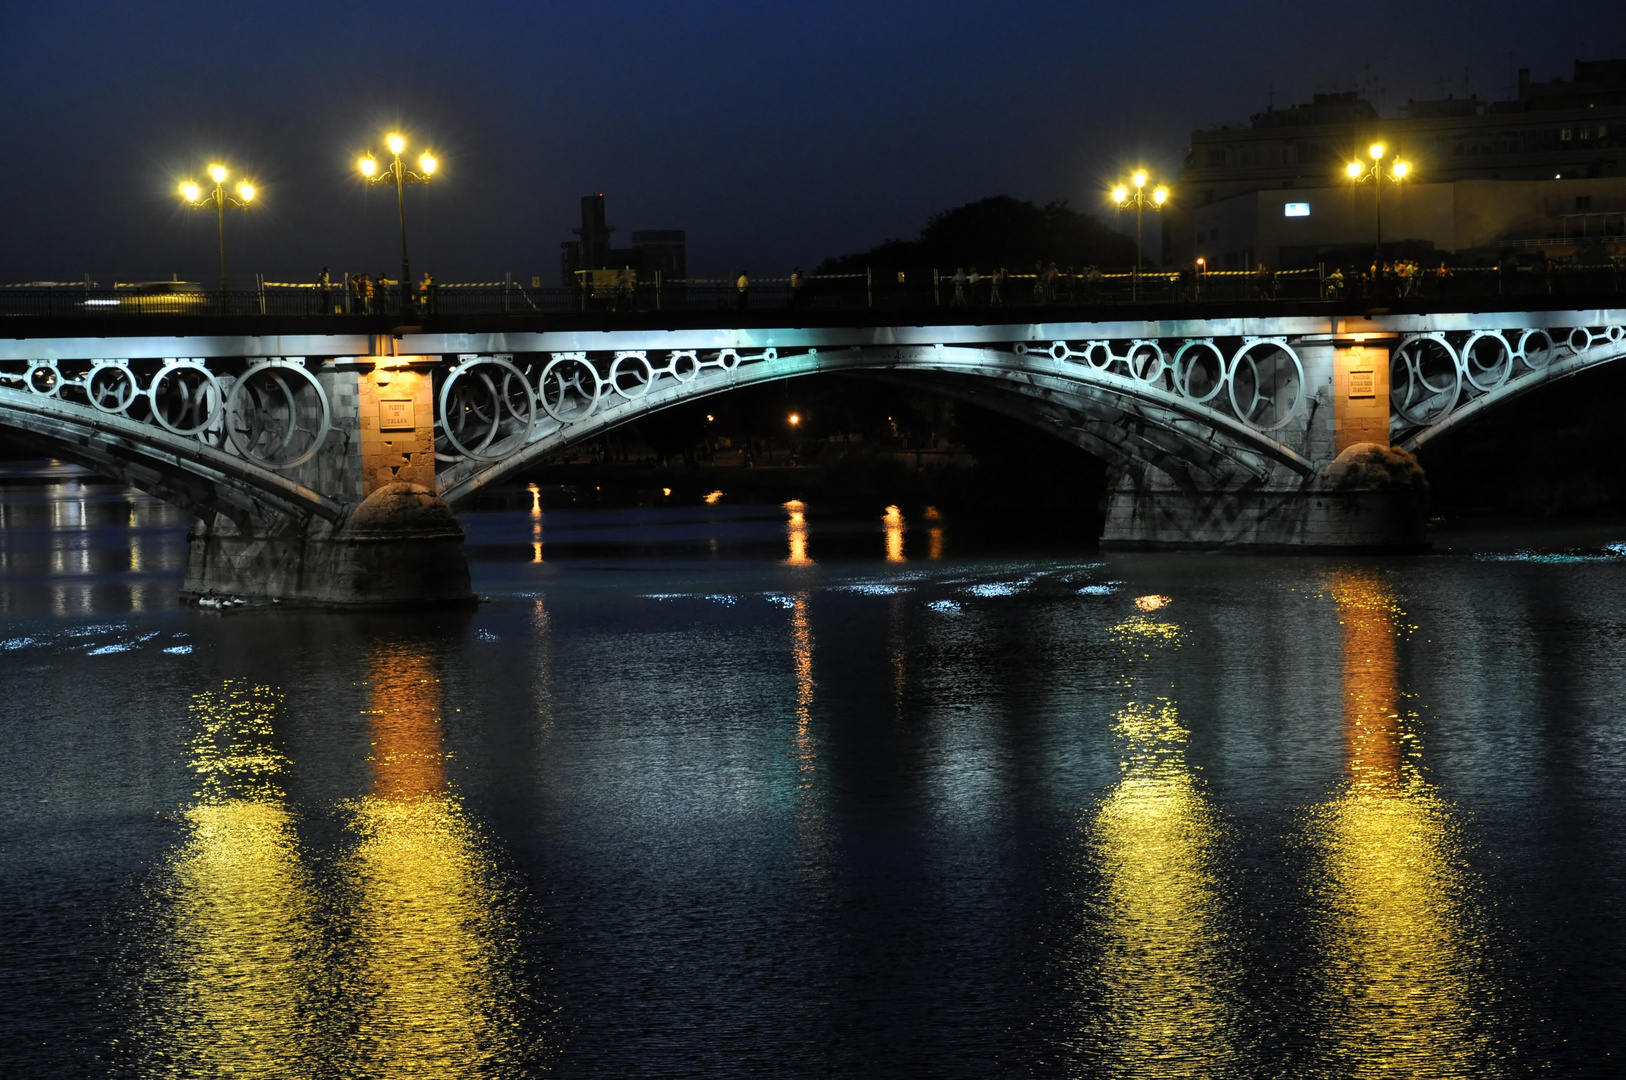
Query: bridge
{"type": "Point", "coordinates": [324, 457]}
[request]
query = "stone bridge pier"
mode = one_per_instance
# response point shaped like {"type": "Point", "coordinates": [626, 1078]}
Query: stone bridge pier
{"type": "Point", "coordinates": [393, 539]}
{"type": "Point", "coordinates": [1354, 490]}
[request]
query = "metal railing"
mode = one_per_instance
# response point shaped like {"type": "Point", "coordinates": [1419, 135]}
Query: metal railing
{"type": "Point", "coordinates": [846, 292]}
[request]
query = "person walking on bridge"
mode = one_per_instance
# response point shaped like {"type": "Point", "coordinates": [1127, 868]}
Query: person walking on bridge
{"type": "Point", "coordinates": [959, 288]}
{"type": "Point", "coordinates": [324, 292]}
{"type": "Point", "coordinates": [742, 290]}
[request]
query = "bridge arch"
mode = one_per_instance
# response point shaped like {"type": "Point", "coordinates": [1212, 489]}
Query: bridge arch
{"type": "Point", "coordinates": [1133, 405]}
{"type": "Point", "coordinates": [1440, 381]}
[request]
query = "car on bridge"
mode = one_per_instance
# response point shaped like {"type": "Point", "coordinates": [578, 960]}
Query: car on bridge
{"type": "Point", "coordinates": [152, 296]}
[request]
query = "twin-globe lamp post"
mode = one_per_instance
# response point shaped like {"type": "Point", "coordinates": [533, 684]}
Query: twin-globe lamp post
{"type": "Point", "coordinates": [1359, 172]}
{"type": "Point", "coordinates": [1140, 200]}
{"type": "Point", "coordinates": [399, 175]}
{"type": "Point", "coordinates": [218, 200]}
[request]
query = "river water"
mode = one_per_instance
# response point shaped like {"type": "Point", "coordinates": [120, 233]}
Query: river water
{"type": "Point", "coordinates": [719, 790]}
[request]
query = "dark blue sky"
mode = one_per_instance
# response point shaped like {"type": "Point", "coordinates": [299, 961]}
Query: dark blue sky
{"type": "Point", "coordinates": [775, 134]}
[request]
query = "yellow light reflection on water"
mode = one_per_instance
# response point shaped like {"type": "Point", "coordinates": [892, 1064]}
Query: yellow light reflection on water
{"type": "Point", "coordinates": [801, 650]}
{"type": "Point", "coordinates": [796, 533]}
{"type": "Point", "coordinates": [893, 521]}
{"type": "Point", "coordinates": [1405, 986]}
{"type": "Point", "coordinates": [1159, 960]}
{"type": "Point", "coordinates": [434, 997]}
{"type": "Point", "coordinates": [233, 986]}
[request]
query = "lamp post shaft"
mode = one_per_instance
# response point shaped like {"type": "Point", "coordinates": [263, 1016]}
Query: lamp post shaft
{"type": "Point", "coordinates": [1377, 188]}
{"type": "Point", "coordinates": [400, 205]}
{"type": "Point", "coordinates": [220, 213]}
{"type": "Point", "coordinates": [1140, 248]}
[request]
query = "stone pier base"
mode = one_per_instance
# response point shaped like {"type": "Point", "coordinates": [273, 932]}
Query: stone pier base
{"type": "Point", "coordinates": [1370, 499]}
{"type": "Point", "coordinates": [401, 547]}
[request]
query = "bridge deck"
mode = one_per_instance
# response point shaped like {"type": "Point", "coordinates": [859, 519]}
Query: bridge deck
{"type": "Point", "coordinates": [169, 324]}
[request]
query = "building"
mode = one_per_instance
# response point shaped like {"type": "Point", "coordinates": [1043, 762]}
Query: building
{"type": "Point", "coordinates": [662, 251]}
{"type": "Point", "coordinates": [1549, 164]}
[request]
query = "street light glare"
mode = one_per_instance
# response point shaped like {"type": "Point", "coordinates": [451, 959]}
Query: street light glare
{"type": "Point", "coordinates": [1160, 195]}
{"type": "Point", "coordinates": [397, 144]}
{"type": "Point", "coordinates": [246, 191]}
{"type": "Point", "coordinates": [795, 419]}
{"type": "Point", "coordinates": [367, 165]}
{"type": "Point", "coordinates": [1355, 169]}
{"type": "Point", "coordinates": [427, 163]}
{"type": "Point", "coordinates": [1401, 169]}
{"type": "Point", "coordinates": [1140, 178]}
{"type": "Point", "coordinates": [1376, 150]}
{"type": "Point", "coordinates": [218, 172]}
{"type": "Point", "coordinates": [189, 191]}
{"type": "Point", "coordinates": [1119, 194]}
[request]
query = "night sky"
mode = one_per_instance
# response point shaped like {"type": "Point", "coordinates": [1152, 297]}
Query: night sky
{"type": "Point", "coordinates": [775, 134]}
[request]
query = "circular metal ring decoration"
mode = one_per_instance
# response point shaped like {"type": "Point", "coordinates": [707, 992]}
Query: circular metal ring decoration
{"type": "Point", "coordinates": [277, 414]}
{"type": "Point", "coordinates": [111, 386]}
{"type": "Point", "coordinates": [43, 378]}
{"type": "Point", "coordinates": [1146, 361]}
{"type": "Point", "coordinates": [1425, 379]}
{"type": "Point", "coordinates": [1487, 359]}
{"type": "Point", "coordinates": [1266, 384]}
{"type": "Point", "coordinates": [1059, 350]}
{"type": "Point", "coordinates": [487, 408]}
{"type": "Point", "coordinates": [1615, 334]}
{"type": "Point", "coordinates": [632, 375]}
{"type": "Point", "coordinates": [570, 387]}
{"type": "Point", "coordinates": [1580, 340]}
{"type": "Point", "coordinates": [1098, 354]}
{"type": "Point", "coordinates": [185, 397]}
{"type": "Point", "coordinates": [683, 365]}
{"type": "Point", "coordinates": [1199, 370]}
{"type": "Point", "coordinates": [1535, 349]}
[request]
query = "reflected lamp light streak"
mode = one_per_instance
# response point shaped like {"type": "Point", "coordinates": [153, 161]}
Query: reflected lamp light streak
{"type": "Point", "coordinates": [234, 985]}
{"type": "Point", "coordinates": [1161, 964]}
{"type": "Point", "coordinates": [433, 923]}
{"type": "Point", "coordinates": [1406, 984]}
{"type": "Point", "coordinates": [796, 534]}
{"type": "Point", "coordinates": [892, 520]}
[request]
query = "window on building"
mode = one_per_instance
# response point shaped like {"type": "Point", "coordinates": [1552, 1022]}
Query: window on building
{"type": "Point", "coordinates": [1583, 202]}
{"type": "Point", "coordinates": [1566, 134]}
{"type": "Point", "coordinates": [1296, 209]}
{"type": "Point", "coordinates": [1216, 156]}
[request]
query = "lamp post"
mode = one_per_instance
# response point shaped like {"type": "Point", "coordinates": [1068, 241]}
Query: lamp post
{"type": "Point", "coordinates": [218, 200]}
{"type": "Point", "coordinates": [1359, 172]}
{"type": "Point", "coordinates": [399, 175]}
{"type": "Point", "coordinates": [1139, 199]}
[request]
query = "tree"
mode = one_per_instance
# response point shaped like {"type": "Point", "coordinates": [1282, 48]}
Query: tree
{"type": "Point", "coordinates": [993, 232]}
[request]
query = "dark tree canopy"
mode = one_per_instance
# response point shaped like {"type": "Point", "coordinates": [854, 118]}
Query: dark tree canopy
{"type": "Point", "coordinates": [992, 232]}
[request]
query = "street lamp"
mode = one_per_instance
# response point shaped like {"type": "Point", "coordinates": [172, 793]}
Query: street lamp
{"type": "Point", "coordinates": [217, 200]}
{"type": "Point", "coordinates": [400, 176]}
{"type": "Point", "coordinates": [1140, 200]}
{"type": "Point", "coordinates": [1359, 172]}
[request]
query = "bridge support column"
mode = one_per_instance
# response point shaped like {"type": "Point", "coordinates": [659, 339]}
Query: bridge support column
{"type": "Point", "coordinates": [397, 544]}
{"type": "Point", "coordinates": [1372, 503]}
